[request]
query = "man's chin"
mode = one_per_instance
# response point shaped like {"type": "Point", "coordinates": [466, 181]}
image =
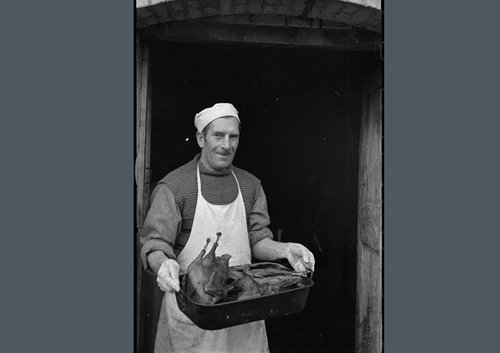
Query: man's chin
{"type": "Point", "coordinates": [222, 165]}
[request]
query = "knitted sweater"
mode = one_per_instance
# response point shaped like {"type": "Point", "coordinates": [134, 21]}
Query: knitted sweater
{"type": "Point", "coordinates": [168, 223]}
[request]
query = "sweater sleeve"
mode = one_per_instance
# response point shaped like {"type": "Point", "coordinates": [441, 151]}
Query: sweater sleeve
{"type": "Point", "coordinates": [161, 226]}
{"type": "Point", "coordinates": [258, 220]}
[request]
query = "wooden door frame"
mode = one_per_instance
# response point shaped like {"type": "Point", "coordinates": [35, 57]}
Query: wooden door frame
{"type": "Point", "coordinates": [142, 170]}
{"type": "Point", "coordinates": [369, 329]}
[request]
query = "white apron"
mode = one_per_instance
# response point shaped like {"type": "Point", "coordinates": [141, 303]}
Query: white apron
{"type": "Point", "coordinates": [176, 332]}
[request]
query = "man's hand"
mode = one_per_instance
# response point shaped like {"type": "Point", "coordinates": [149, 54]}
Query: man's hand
{"type": "Point", "coordinates": [168, 276]}
{"type": "Point", "coordinates": [300, 257]}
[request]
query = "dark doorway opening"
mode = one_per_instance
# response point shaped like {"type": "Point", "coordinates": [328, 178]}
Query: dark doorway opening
{"type": "Point", "coordinates": [300, 110]}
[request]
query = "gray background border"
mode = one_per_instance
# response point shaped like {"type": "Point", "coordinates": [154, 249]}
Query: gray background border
{"type": "Point", "coordinates": [441, 176]}
{"type": "Point", "coordinates": [66, 142]}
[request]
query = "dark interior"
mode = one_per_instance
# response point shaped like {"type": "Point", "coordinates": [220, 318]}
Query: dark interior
{"type": "Point", "coordinates": [300, 110]}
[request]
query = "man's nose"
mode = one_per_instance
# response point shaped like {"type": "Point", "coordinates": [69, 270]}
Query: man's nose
{"type": "Point", "coordinates": [225, 142]}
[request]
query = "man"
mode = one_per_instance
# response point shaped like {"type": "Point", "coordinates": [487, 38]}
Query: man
{"type": "Point", "coordinates": [195, 201]}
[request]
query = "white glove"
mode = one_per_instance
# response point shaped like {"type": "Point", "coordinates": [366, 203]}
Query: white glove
{"type": "Point", "coordinates": [300, 257]}
{"type": "Point", "coordinates": [168, 276]}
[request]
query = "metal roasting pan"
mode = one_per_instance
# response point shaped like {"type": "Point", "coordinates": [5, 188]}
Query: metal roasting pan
{"type": "Point", "coordinates": [218, 316]}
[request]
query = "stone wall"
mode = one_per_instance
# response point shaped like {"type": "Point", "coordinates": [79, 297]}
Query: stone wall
{"type": "Point", "coordinates": [364, 14]}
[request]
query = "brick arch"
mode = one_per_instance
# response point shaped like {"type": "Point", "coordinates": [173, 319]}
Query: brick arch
{"type": "Point", "coordinates": [365, 14]}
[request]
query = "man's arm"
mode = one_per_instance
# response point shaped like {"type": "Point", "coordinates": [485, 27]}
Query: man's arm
{"type": "Point", "coordinates": [160, 229]}
{"type": "Point", "coordinates": [269, 250]}
{"type": "Point", "coordinates": [297, 255]}
{"type": "Point", "coordinates": [159, 232]}
{"type": "Point", "coordinates": [156, 259]}
{"type": "Point", "coordinates": [258, 220]}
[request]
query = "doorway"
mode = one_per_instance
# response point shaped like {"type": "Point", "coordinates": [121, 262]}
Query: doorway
{"type": "Point", "coordinates": [300, 110]}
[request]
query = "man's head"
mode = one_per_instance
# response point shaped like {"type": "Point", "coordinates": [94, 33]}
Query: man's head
{"type": "Point", "coordinates": [218, 135]}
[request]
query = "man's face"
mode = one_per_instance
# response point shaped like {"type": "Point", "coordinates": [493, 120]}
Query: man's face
{"type": "Point", "coordinates": [219, 143]}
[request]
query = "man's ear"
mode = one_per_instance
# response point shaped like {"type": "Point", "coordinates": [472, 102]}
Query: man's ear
{"type": "Point", "coordinates": [200, 138]}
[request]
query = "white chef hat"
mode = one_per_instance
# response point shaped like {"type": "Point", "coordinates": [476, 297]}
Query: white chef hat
{"type": "Point", "coordinates": [219, 110]}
